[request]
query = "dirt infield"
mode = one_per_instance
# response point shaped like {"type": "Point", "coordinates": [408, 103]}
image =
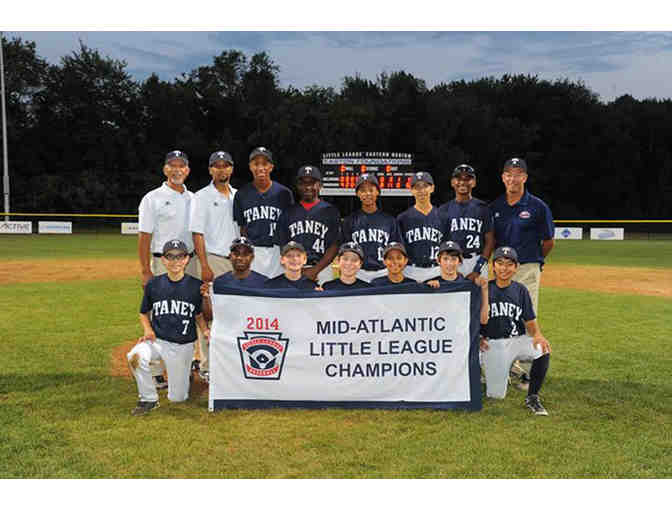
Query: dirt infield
{"type": "Point", "coordinates": [61, 270]}
{"type": "Point", "coordinates": [619, 280]}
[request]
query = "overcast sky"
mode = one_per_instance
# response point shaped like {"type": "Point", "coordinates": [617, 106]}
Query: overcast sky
{"type": "Point", "coordinates": [611, 63]}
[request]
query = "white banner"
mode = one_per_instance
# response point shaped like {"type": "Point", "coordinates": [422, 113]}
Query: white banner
{"type": "Point", "coordinates": [365, 350]}
{"type": "Point", "coordinates": [54, 227]}
{"type": "Point", "coordinates": [129, 228]}
{"type": "Point", "coordinates": [16, 227]}
{"type": "Point", "coordinates": [607, 234]}
{"type": "Point", "coordinates": [568, 233]}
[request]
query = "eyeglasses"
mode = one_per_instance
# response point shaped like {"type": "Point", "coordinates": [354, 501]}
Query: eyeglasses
{"type": "Point", "coordinates": [175, 257]}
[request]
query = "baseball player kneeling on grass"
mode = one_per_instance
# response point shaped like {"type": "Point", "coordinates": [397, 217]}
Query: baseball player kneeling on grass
{"type": "Point", "coordinates": [174, 300]}
{"type": "Point", "coordinates": [512, 333]}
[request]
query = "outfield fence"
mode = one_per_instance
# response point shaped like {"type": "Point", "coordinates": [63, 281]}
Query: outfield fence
{"type": "Point", "coordinates": [84, 223]}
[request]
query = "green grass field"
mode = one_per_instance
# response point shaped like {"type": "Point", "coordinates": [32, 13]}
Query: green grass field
{"type": "Point", "coordinates": [64, 416]}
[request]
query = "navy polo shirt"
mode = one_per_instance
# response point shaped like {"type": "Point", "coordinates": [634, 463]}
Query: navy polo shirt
{"type": "Point", "coordinates": [523, 226]}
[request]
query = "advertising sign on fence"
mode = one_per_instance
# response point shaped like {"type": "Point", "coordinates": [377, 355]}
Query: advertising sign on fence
{"type": "Point", "coordinates": [129, 228]}
{"type": "Point", "coordinates": [54, 227]}
{"type": "Point", "coordinates": [607, 234]}
{"type": "Point", "coordinates": [16, 227]}
{"type": "Point", "coordinates": [415, 348]}
{"type": "Point", "coordinates": [568, 233]}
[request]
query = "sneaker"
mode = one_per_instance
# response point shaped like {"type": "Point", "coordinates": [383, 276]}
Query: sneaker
{"type": "Point", "coordinates": [144, 407]}
{"type": "Point", "coordinates": [205, 376]}
{"type": "Point", "coordinates": [534, 404]}
{"type": "Point", "coordinates": [160, 382]}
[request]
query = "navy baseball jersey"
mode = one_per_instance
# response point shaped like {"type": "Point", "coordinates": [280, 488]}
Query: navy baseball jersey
{"type": "Point", "coordinates": [259, 212]}
{"type": "Point", "coordinates": [466, 223]}
{"type": "Point", "coordinates": [372, 231]}
{"type": "Point", "coordinates": [254, 280]}
{"type": "Point", "coordinates": [339, 285]}
{"type": "Point", "coordinates": [174, 307]}
{"type": "Point", "coordinates": [510, 309]}
{"type": "Point", "coordinates": [443, 282]}
{"type": "Point", "coordinates": [282, 282]}
{"type": "Point", "coordinates": [316, 229]}
{"type": "Point", "coordinates": [384, 280]}
{"type": "Point", "coordinates": [523, 226]}
{"type": "Point", "coordinates": [421, 235]}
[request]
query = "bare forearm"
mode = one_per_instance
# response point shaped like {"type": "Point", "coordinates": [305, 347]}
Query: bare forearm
{"type": "Point", "coordinates": [199, 248]}
{"type": "Point", "coordinates": [547, 246]}
{"type": "Point", "coordinates": [144, 241]}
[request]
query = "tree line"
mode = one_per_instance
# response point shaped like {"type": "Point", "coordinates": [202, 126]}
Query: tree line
{"type": "Point", "coordinates": [84, 136]}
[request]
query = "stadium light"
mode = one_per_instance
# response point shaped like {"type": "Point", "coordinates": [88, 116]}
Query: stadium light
{"type": "Point", "coordinates": [5, 175]}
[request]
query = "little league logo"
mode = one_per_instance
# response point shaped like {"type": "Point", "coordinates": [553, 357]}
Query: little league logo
{"type": "Point", "coordinates": [262, 355]}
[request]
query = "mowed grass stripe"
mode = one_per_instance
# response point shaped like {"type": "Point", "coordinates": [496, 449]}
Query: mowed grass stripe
{"type": "Point", "coordinates": [638, 253]}
{"type": "Point", "coordinates": [66, 416]}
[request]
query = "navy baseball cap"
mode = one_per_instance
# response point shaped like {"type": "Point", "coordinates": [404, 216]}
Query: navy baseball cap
{"type": "Point", "coordinates": [464, 169]}
{"type": "Point", "coordinates": [450, 246]}
{"type": "Point", "coordinates": [177, 155]}
{"type": "Point", "coordinates": [362, 178]}
{"type": "Point", "coordinates": [261, 151]}
{"type": "Point", "coordinates": [515, 163]}
{"type": "Point", "coordinates": [309, 171]}
{"type": "Point", "coordinates": [292, 245]}
{"type": "Point", "coordinates": [422, 176]}
{"type": "Point", "coordinates": [353, 247]}
{"type": "Point", "coordinates": [175, 244]}
{"type": "Point", "coordinates": [395, 246]}
{"type": "Point", "coordinates": [241, 241]}
{"type": "Point", "coordinates": [505, 252]}
{"type": "Point", "coordinates": [219, 156]}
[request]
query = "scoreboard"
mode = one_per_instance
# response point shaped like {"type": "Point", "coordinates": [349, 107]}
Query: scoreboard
{"type": "Point", "coordinates": [341, 169]}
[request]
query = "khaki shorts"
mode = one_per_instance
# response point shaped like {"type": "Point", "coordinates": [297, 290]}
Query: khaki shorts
{"type": "Point", "coordinates": [529, 274]}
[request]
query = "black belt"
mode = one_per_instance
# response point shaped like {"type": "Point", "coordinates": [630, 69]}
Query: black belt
{"type": "Point", "coordinates": [313, 263]}
{"type": "Point", "coordinates": [469, 255]}
{"type": "Point", "coordinates": [263, 245]}
{"type": "Point", "coordinates": [159, 255]}
{"type": "Point", "coordinates": [428, 264]}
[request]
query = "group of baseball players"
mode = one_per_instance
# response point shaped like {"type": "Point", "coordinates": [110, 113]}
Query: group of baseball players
{"type": "Point", "coordinates": [191, 244]}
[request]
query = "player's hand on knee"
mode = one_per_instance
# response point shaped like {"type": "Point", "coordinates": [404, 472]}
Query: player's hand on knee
{"type": "Point", "coordinates": [319, 288]}
{"type": "Point", "coordinates": [542, 343]}
{"type": "Point", "coordinates": [433, 284]}
{"type": "Point", "coordinates": [484, 346]}
{"type": "Point", "coordinates": [148, 336]}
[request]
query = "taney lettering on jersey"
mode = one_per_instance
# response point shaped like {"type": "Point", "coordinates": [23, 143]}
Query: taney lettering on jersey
{"type": "Point", "coordinates": [469, 224]}
{"type": "Point", "coordinates": [423, 234]}
{"type": "Point", "coordinates": [174, 307]}
{"type": "Point", "coordinates": [308, 227]}
{"type": "Point", "coordinates": [371, 235]}
{"type": "Point", "coordinates": [503, 309]}
{"type": "Point", "coordinates": [262, 212]}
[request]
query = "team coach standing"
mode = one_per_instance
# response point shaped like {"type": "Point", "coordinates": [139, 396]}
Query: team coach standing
{"type": "Point", "coordinates": [524, 222]}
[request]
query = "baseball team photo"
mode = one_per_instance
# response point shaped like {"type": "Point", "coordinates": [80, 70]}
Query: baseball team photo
{"type": "Point", "coordinates": [221, 273]}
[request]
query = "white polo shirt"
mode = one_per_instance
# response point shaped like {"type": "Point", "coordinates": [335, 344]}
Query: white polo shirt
{"type": "Point", "coordinates": [212, 216]}
{"type": "Point", "coordinates": [164, 213]}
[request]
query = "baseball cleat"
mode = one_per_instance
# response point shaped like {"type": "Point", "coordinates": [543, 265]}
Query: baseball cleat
{"type": "Point", "coordinates": [144, 407]}
{"type": "Point", "coordinates": [195, 365]}
{"type": "Point", "coordinates": [534, 404]}
{"type": "Point", "coordinates": [160, 382]}
{"type": "Point", "coordinates": [524, 383]}
{"type": "Point", "coordinates": [205, 376]}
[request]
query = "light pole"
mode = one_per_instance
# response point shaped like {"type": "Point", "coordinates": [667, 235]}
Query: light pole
{"type": "Point", "coordinates": [5, 175]}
